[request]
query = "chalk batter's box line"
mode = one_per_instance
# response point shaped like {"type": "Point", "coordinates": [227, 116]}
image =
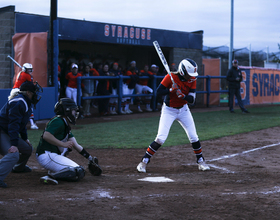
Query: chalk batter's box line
{"type": "Point", "coordinates": [237, 154]}
{"type": "Point", "coordinates": [244, 152]}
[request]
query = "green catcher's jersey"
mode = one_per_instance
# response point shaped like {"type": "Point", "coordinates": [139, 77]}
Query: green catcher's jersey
{"type": "Point", "coordinates": [59, 128]}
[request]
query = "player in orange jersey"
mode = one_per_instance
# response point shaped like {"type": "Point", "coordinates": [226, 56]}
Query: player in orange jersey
{"type": "Point", "coordinates": [71, 89]}
{"type": "Point", "coordinates": [175, 107]}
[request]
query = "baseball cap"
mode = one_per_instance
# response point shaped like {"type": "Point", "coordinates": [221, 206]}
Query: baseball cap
{"type": "Point", "coordinates": [235, 61]}
{"type": "Point", "coordinates": [115, 63]}
{"type": "Point", "coordinates": [28, 86]}
{"type": "Point", "coordinates": [74, 66]}
{"type": "Point", "coordinates": [154, 66]}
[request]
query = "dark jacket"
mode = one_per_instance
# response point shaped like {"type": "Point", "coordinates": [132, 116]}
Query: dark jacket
{"type": "Point", "coordinates": [232, 74]}
{"type": "Point", "coordinates": [14, 117]}
{"type": "Point", "coordinates": [104, 86]}
{"type": "Point", "coordinates": [115, 82]}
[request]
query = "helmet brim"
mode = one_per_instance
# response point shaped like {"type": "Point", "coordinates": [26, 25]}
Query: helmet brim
{"type": "Point", "coordinates": [193, 74]}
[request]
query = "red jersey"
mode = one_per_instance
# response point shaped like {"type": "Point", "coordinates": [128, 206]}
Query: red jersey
{"type": "Point", "coordinates": [94, 72]}
{"type": "Point", "coordinates": [72, 79]}
{"type": "Point", "coordinates": [185, 87]}
{"type": "Point", "coordinates": [144, 82]}
{"type": "Point", "coordinates": [21, 78]}
{"type": "Point", "coordinates": [128, 73]}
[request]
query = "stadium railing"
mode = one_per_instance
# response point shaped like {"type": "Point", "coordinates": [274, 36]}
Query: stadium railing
{"type": "Point", "coordinates": [120, 95]}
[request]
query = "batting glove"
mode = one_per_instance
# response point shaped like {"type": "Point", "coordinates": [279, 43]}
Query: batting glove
{"type": "Point", "coordinates": [174, 88]}
{"type": "Point", "coordinates": [180, 94]}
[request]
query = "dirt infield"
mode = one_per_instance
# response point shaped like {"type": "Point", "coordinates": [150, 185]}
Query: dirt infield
{"type": "Point", "coordinates": [243, 183]}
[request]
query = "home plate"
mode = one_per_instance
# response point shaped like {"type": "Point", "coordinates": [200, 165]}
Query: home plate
{"type": "Point", "coordinates": [159, 179]}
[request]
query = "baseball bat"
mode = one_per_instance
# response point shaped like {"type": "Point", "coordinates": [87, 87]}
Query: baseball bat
{"type": "Point", "coordinates": [163, 60]}
{"type": "Point", "coordinates": [15, 61]}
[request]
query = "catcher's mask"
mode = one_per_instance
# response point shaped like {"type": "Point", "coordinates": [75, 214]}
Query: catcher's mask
{"type": "Point", "coordinates": [35, 88]}
{"type": "Point", "coordinates": [68, 108]}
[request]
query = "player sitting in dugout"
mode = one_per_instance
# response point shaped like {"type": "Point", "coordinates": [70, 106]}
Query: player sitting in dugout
{"type": "Point", "coordinates": [57, 141]}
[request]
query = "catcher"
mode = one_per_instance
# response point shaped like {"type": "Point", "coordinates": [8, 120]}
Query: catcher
{"type": "Point", "coordinates": [57, 141]}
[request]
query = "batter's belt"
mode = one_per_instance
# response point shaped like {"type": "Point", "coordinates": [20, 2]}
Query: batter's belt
{"type": "Point", "coordinates": [176, 107]}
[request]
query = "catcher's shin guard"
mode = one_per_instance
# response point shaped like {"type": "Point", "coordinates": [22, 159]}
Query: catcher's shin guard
{"type": "Point", "coordinates": [80, 171]}
{"type": "Point", "coordinates": [69, 174]}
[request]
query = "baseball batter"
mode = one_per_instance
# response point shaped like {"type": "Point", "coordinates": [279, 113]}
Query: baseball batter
{"type": "Point", "coordinates": [175, 107]}
{"type": "Point", "coordinates": [56, 141]}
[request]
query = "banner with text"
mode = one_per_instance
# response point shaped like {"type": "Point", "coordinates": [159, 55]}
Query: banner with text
{"type": "Point", "coordinates": [81, 30]}
{"type": "Point", "coordinates": [260, 86]}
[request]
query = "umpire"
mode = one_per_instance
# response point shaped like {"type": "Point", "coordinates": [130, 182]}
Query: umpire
{"type": "Point", "coordinates": [14, 117]}
{"type": "Point", "coordinates": [234, 77]}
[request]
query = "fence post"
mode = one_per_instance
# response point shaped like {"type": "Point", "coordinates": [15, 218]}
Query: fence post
{"type": "Point", "coordinates": [154, 103]}
{"type": "Point", "coordinates": [120, 93]}
{"type": "Point", "coordinates": [208, 83]}
{"type": "Point", "coordinates": [78, 91]}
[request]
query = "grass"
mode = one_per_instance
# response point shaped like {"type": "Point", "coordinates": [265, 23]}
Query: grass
{"type": "Point", "coordinates": [139, 133]}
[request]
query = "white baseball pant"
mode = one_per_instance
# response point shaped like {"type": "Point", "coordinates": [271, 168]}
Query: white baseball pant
{"type": "Point", "coordinates": [183, 116]}
{"type": "Point", "coordinates": [55, 162]}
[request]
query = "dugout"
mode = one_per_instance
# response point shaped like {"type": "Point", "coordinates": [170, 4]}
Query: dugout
{"type": "Point", "coordinates": [84, 41]}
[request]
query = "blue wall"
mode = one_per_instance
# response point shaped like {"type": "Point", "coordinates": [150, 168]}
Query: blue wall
{"type": "Point", "coordinates": [78, 30]}
{"type": "Point", "coordinates": [44, 108]}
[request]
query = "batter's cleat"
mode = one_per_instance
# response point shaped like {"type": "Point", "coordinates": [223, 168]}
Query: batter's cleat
{"type": "Point", "coordinates": [48, 180]}
{"type": "Point", "coordinates": [141, 168]}
{"type": "Point", "coordinates": [202, 165]}
{"type": "Point", "coordinates": [2, 184]}
{"type": "Point", "coordinates": [34, 127]}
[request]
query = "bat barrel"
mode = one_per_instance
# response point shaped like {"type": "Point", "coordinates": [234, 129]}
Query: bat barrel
{"type": "Point", "coordinates": [14, 61]}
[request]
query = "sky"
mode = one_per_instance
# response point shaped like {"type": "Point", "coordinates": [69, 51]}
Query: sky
{"type": "Point", "coordinates": [256, 22]}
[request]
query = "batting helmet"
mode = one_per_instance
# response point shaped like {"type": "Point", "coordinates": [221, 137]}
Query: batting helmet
{"type": "Point", "coordinates": [64, 107]}
{"type": "Point", "coordinates": [27, 66]}
{"type": "Point", "coordinates": [188, 67]}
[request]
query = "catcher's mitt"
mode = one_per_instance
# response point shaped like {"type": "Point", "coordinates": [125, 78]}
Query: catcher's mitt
{"type": "Point", "coordinates": [94, 168]}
